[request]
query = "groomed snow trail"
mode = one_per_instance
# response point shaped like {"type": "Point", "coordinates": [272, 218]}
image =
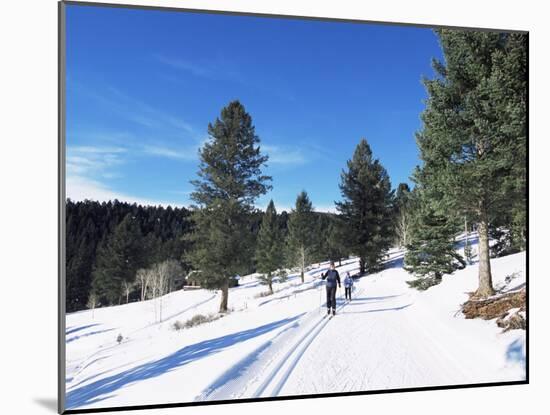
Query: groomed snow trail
{"type": "Point", "coordinates": [375, 343]}
{"type": "Point", "coordinates": [388, 336]}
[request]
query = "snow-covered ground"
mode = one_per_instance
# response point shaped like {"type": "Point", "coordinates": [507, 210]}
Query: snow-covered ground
{"type": "Point", "coordinates": [388, 336]}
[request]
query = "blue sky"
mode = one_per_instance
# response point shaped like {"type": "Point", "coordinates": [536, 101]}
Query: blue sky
{"type": "Point", "coordinates": [142, 86]}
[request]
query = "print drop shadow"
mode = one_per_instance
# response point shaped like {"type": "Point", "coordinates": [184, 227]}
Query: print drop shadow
{"type": "Point", "coordinates": [48, 403]}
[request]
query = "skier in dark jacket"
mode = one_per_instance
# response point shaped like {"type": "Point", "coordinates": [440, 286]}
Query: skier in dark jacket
{"type": "Point", "coordinates": [332, 278]}
{"type": "Point", "coordinates": [348, 285]}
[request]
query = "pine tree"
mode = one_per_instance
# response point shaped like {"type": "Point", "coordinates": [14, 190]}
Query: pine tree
{"type": "Point", "coordinates": [468, 249]}
{"type": "Point", "coordinates": [431, 251]}
{"type": "Point", "coordinates": [119, 257]}
{"type": "Point", "coordinates": [473, 140]}
{"type": "Point", "coordinates": [300, 238]}
{"type": "Point", "coordinates": [336, 240]}
{"type": "Point", "coordinates": [269, 247]}
{"type": "Point", "coordinates": [89, 222]}
{"type": "Point", "coordinates": [319, 237]}
{"type": "Point", "coordinates": [366, 207]}
{"type": "Point", "coordinates": [230, 180]}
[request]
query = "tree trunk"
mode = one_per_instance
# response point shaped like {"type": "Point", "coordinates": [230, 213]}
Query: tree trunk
{"type": "Point", "coordinates": [466, 248]}
{"type": "Point", "coordinates": [225, 294]}
{"type": "Point", "coordinates": [160, 308]}
{"type": "Point", "coordinates": [270, 282]}
{"type": "Point", "coordinates": [340, 262]}
{"type": "Point", "coordinates": [361, 266]}
{"type": "Point", "coordinates": [303, 261]}
{"type": "Point", "coordinates": [485, 288]}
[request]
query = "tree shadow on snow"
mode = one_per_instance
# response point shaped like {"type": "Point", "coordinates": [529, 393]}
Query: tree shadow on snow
{"type": "Point", "coordinates": [379, 310]}
{"type": "Point", "coordinates": [72, 330]}
{"type": "Point", "coordinates": [96, 391]}
{"type": "Point", "coordinates": [396, 262]}
{"type": "Point", "coordinates": [238, 369]}
{"type": "Point", "coordinates": [473, 240]}
{"type": "Point", "coordinates": [366, 300]}
{"type": "Point", "coordinates": [515, 353]}
{"type": "Point", "coordinates": [72, 339]}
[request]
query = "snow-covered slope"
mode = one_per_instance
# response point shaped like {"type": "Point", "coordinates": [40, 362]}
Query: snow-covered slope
{"type": "Point", "coordinates": [388, 336]}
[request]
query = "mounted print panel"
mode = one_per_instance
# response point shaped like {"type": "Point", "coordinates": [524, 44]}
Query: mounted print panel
{"type": "Point", "coordinates": [276, 207]}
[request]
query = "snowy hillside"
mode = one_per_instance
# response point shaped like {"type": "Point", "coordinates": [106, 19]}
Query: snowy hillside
{"type": "Point", "coordinates": [388, 336]}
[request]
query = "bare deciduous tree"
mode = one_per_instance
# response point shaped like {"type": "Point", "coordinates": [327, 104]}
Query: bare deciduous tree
{"type": "Point", "coordinates": [143, 277]}
{"type": "Point", "coordinates": [159, 279]}
{"type": "Point", "coordinates": [128, 287]}
{"type": "Point", "coordinates": [92, 302]}
{"type": "Point", "coordinates": [403, 227]}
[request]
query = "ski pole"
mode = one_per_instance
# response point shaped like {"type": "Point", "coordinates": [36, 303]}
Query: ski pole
{"type": "Point", "coordinates": [321, 285]}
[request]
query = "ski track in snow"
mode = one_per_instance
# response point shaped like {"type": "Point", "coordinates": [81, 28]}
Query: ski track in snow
{"type": "Point", "coordinates": [388, 336]}
{"type": "Point", "coordinates": [293, 339]}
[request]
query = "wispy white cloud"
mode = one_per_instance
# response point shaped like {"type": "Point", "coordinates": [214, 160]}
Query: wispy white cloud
{"type": "Point", "coordinates": [98, 150]}
{"type": "Point", "coordinates": [326, 208]}
{"type": "Point", "coordinates": [195, 69]}
{"type": "Point", "coordinates": [143, 113]}
{"type": "Point", "coordinates": [221, 69]}
{"type": "Point", "coordinates": [277, 154]}
{"type": "Point", "coordinates": [214, 70]}
{"type": "Point", "coordinates": [288, 208]}
{"type": "Point", "coordinates": [90, 171]}
{"type": "Point", "coordinates": [190, 153]}
{"type": "Point", "coordinates": [181, 192]}
{"type": "Point", "coordinates": [90, 161]}
{"type": "Point", "coordinates": [135, 110]}
{"type": "Point", "coordinates": [284, 155]}
{"type": "Point", "coordinates": [81, 188]}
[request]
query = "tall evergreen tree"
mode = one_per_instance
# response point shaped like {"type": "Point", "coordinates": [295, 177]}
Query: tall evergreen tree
{"type": "Point", "coordinates": [320, 238]}
{"type": "Point", "coordinates": [336, 239]}
{"type": "Point", "coordinates": [431, 251]}
{"type": "Point", "coordinates": [402, 195]}
{"type": "Point", "coordinates": [269, 247]}
{"type": "Point", "coordinates": [300, 239]}
{"type": "Point", "coordinates": [119, 257]}
{"type": "Point", "coordinates": [366, 207]}
{"type": "Point", "coordinates": [230, 180]}
{"type": "Point", "coordinates": [473, 140]}
{"type": "Point", "coordinates": [81, 243]}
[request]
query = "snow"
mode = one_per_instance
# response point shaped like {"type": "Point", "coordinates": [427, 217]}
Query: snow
{"type": "Point", "coordinates": [389, 336]}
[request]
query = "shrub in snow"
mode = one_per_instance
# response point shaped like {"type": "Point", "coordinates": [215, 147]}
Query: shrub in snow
{"type": "Point", "coordinates": [424, 283]}
{"type": "Point", "coordinates": [262, 294]}
{"type": "Point", "coordinates": [178, 325]}
{"type": "Point", "coordinates": [201, 319]}
{"type": "Point", "coordinates": [512, 276]}
{"type": "Point", "coordinates": [512, 321]}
